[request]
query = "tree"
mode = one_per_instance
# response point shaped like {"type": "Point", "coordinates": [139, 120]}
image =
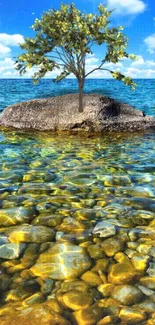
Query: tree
{"type": "Point", "coordinates": [63, 40]}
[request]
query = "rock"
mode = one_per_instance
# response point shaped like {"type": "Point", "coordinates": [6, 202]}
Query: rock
{"type": "Point", "coordinates": [11, 251]}
{"type": "Point", "coordinates": [89, 316]}
{"type": "Point", "coordinates": [108, 320]}
{"type": "Point", "coordinates": [146, 305]}
{"type": "Point", "coordinates": [151, 269]}
{"type": "Point", "coordinates": [5, 280]}
{"type": "Point", "coordinates": [140, 262]}
{"type": "Point", "coordinates": [148, 281]}
{"type": "Point", "coordinates": [34, 299]}
{"type": "Point", "coordinates": [46, 285]}
{"type": "Point", "coordinates": [29, 233]}
{"type": "Point", "coordinates": [92, 278]}
{"type": "Point", "coordinates": [104, 229]}
{"type": "Point", "coordinates": [127, 294]}
{"type": "Point", "coordinates": [100, 114]}
{"type": "Point", "coordinates": [95, 251]}
{"type": "Point", "coordinates": [77, 300]}
{"type": "Point", "coordinates": [112, 246]}
{"type": "Point", "coordinates": [74, 285]}
{"type": "Point", "coordinates": [10, 217]}
{"type": "Point", "coordinates": [106, 289]}
{"type": "Point", "coordinates": [101, 265]}
{"type": "Point", "coordinates": [132, 316]}
{"type": "Point", "coordinates": [71, 225]}
{"type": "Point", "coordinates": [32, 315]}
{"type": "Point", "coordinates": [62, 261]}
{"type": "Point", "coordinates": [121, 273]}
{"type": "Point", "coordinates": [49, 220]}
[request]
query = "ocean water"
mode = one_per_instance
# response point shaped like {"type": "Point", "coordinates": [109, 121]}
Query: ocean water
{"type": "Point", "coordinates": [77, 218]}
{"type": "Point", "coordinates": [16, 90]}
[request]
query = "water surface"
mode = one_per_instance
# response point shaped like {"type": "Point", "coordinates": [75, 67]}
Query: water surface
{"type": "Point", "coordinates": [77, 229]}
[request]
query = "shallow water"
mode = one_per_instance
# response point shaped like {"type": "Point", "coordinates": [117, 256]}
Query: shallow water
{"type": "Point", "coordinates": [77, 229]}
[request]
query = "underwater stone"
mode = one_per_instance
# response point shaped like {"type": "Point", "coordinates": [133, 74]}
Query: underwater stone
{"type": "Point", "coordinates": [29, 233]}
{"type": "Point", "coordinates": [132, 316]}
{"type": "Point", "coordinates": [127, 294]}
{"type": "Point", "coordinates": [104, 229]}
{"type": "Point", "coordinates": [62, 261]}
{"type": "Point", "coordinates": [89, 316]}
{"type": "Point", "coordinates": [111, 246]}
{"type": "Point", "coordinates": [77, 300]}
{"type": "Point", "coordinates": [11, 251]}
{"type": "Point", "coordinates": [10, 217]}
{"type": "Point", "coordinates": [32, 315]}
{"type": "Point", "coordinates": [92, 278]}
{"type": "Point", "coordinates": [121, 273]}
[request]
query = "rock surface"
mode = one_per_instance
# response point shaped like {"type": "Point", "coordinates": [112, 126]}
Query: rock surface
{"type": "Point", "coordinates": [61, 113]}
{"type": "Point", "coordinates": [62, 261]}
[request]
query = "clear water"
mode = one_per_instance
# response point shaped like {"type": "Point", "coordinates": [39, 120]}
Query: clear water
{"type": "Point", "coordinates": [13, 91]}
{"type": "Point", "coordinates": [77, 223]}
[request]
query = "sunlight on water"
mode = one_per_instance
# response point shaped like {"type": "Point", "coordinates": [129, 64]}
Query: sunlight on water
{"type": "Point", "coordinates": [77, 229]}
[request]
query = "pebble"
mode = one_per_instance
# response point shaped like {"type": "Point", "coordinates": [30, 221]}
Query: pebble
{"type": "Point", "coordinates": [127, 294]}
{"type": "Point", "coordinates": [29, 234]}
{"type": "Point", "coordinates": [104, 229]}
{"type": "Point", "coordinates": [121, 273]}
{"type": "Point", "coordinates": [62, 261]}
{"type": "Point", "coordinates": [11, 251]}
{"type": "Point", "coordinates": [132, 316]}
{"type": "Point", "coordinates": [76, 300]}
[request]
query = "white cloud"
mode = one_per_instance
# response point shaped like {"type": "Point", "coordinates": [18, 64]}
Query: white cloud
{"type": "Point", "coordinates": [127, 7]}
{"type": "Point", "coordinates": [140, 62]}
{"type": "Point", "coordinates": [91, 60]}
{"type": "Point", "coordinates": [150, 42]}
{"type": "Point", "coordinates": [11, 40]}
{"type": "Point", "coordinates": [140, 73]}
{"type": "Point", "coordinates": [137, 69]}
{"type": "Point", "coordinates": [4, 50]}
{"type": "Point", "coordinates": [112, 66]}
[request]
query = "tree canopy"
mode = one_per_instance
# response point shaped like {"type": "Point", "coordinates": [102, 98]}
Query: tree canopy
{"type": "Point", "coordinates": [63, 40]}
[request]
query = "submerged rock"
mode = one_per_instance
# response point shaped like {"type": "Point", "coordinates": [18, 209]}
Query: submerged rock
{"type": "Point", "coordinates": [42, 314]}
{"type": "Point", "coordinates": [61, 113]}
{"type": "Point", "coordinates": [29, 234]}
{"type": "Point", "coordinates": [62, 261]}
{"type": "Point", "coordinates": [10, 217]}
{"type": "Point", "coordinates": [104, 229]}
{"type": "Point", "coordinates": [11, 251]}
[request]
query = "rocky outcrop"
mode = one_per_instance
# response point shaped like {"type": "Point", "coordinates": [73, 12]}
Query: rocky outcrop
{"type": "Point", "coordinates": [61, 114]}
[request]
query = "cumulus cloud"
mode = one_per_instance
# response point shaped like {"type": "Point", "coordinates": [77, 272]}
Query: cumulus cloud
{"type": "Point", "coordinates": [127, 7]}
{"type": "Point", "coordinates": [150, 42]}
{"type": "Point", "coordinates": [4, 50]}
{"type": "Point", "coordinates": [138, 69]}
{"type": "Point", "coordinates": [141, 62]}
{"type": "Point", "coordinates": [11, 40]}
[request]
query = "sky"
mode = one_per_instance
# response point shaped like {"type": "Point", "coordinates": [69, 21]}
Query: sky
{"type": "Point", "coordinates": [137, 17]}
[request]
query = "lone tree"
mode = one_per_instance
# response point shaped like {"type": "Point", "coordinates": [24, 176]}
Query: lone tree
{"type": "Point", "coordinates": [64, 39]}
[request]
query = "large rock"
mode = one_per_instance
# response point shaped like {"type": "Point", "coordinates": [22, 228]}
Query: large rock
{"type": "Point", "coordinates": [11, 251]}
{"type": "Point", "coordinates": [61, 113]}
{"type": "Point", "coordinates": [62, 261]}
{"type": "Point", "coordinates": [29, 234]}
{"type": "Point", "coordinates": [38, 314]}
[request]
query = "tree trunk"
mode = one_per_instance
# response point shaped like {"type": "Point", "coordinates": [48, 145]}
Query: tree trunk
{"type": "Point", "coordinates": [81, 104]}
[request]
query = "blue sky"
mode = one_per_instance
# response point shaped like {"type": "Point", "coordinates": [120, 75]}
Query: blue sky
{"type": "Point", "coordinates": [137, 16]}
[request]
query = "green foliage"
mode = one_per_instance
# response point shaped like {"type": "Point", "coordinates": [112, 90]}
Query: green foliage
{"type": "Point", "coordinates": [64, 38]}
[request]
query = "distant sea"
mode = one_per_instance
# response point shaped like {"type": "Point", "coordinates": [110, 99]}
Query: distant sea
{"type": "Point", "coordinates": [18, 90]}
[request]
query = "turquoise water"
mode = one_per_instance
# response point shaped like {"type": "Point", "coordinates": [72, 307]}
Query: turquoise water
{"type": "Point", "coordinates": [77, 219]}
{"type": "Point", "coordinates": [12, 91]}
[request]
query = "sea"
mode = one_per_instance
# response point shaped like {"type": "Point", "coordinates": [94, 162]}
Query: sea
{"type": "Point", "coordinates": [18, 90]}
